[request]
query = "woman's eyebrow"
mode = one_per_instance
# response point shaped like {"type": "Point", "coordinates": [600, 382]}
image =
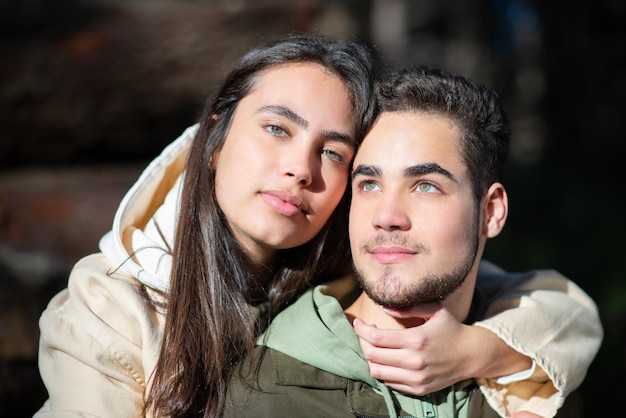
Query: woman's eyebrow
{"type": "Point", "coordinates": [300, 121]}
{"type": "Point", "coordinates": [339, 137]}
{"type": "Point", "coordinates": [285, 112]}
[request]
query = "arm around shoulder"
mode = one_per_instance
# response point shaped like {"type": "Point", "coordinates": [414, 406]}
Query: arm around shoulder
{"type": "Point", "coordinates": [99, 342]}
{"type": "Point", "coordinates": [548, 318]}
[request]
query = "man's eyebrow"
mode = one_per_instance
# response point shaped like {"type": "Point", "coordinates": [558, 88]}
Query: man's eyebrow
{"type": "Point", "coordinates": [421, 169]}
{"type": "Point", "coordinates": [366, 170]}
{"type": "Point", "coordinates": [412, 171]}
{"type": "Point", "coordinates": [300, 121]}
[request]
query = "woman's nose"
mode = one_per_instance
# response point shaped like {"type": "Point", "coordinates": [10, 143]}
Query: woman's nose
{"type": "Point", "coordinates": [301, 175]}
{"type": "Point", "coordinates": [299, 165]}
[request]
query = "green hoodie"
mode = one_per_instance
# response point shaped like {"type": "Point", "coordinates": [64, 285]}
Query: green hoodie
{"type": "Point", "coordinates": [315, 331]}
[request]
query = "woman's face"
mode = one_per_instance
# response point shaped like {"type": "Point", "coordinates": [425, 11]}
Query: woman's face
{"type": "Point", "coordinates": [285, 162]}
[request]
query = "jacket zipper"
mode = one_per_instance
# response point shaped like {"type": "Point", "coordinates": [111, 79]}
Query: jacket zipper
{"type": "Point", "coordinates": [427, 409]}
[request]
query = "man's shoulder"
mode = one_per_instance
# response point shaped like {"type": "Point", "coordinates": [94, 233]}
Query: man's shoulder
{"type": "Point", "coordinates": [269, 383]}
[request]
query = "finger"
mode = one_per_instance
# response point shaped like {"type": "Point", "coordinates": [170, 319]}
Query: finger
{"type": "Point", "coordinates": [393, 357]}
{"type": "Point", "coordinates": [402, 380]}
{"type": "Point", "coordinates": [411, 390]}
{"type": "Point", "coordinates": [418, 390]}
{"type": "Point", "coordinates": [388, 338]}
{"type": "Point", "coordinates": [412, 382]}
{"type": "Point", "coordinates": [425, 311]}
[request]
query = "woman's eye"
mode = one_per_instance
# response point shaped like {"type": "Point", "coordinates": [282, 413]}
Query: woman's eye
{"type": "Point", "coordinates": [276, 130]}
{"type": "Point", "coordinates": [333, 155]}
{"type": "Point", "coordinates": [426, 188]}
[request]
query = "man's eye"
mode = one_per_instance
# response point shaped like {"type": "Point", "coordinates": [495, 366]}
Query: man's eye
{"type": "Point", "coordinates": [333, 155]}
{"type": "Point", "coordinates": [426, 188]}
{"type": "Point", "coordinates": [369, 186]}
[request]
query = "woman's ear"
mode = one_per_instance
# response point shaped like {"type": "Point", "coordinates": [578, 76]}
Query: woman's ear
{"type": "Point", "coordinates": [215, 155]}
{"type": "Point", "coordinates": [213, 160]}
{"type": "Point", "coordinates": [497, 210]}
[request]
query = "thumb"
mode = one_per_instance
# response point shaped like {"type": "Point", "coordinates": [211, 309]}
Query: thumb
{"type": "Point", "coordinates": [359, 323]}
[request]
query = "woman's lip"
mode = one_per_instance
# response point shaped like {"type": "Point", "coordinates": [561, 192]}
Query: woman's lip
{"type": "Point", "coordinates": [284, 202]}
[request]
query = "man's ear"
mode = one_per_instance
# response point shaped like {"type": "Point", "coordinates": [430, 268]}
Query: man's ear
{"type": "Point", "coordinates": [496, 210]}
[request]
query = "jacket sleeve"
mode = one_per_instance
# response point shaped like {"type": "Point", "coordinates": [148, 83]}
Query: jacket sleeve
{"type": "Point", "coordinates": [548, 318]}
{"type": "Point", "coordinates": [91, 356]}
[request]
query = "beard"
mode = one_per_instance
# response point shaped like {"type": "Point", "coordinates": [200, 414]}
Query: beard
{"type": "Point", "coordinates": [392, 291]}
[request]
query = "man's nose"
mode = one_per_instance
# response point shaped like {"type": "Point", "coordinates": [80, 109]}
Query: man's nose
{"type": "Point", "coordinates": [391, 214]}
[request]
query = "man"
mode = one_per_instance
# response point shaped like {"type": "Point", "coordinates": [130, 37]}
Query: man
{"type": "Point", "coordinates": [426, 196]}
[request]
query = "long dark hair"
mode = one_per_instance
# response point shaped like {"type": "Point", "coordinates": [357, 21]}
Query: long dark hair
{"type": "Point", "coordinates": [209, 325]}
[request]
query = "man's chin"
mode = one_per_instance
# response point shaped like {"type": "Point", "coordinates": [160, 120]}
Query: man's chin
{"type": "Point", "coordinates": [404, 304]}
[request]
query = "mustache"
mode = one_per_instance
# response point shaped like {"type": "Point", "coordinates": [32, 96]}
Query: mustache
{"type": "Point", "coordinates": [389, 239]}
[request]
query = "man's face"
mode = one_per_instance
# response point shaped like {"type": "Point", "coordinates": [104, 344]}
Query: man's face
{"type": "Point", "coordinates": [414, 227]}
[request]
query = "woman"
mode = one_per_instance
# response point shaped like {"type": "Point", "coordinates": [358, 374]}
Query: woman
{"type": "Point", "coordinates": [266, 169]}
{"type": "Point", "coordinates": [247, 239]}
{"type": "Point", "coordinates": [221, 232]}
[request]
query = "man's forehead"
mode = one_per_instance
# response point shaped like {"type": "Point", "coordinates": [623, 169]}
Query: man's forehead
{"type": "Point", "coordinates": [409, 138]}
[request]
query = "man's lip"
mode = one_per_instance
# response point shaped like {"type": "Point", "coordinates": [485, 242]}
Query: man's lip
{"type": "Point", "coordinates": [288, 198]}
{"type": "Point", "coordinates": [391, 254]}
{"type": "Point", "coordinates": [391, 249]}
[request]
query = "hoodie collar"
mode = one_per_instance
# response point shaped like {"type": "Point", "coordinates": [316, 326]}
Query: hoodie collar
{"type": "Point", "coordinates": [141, 239]}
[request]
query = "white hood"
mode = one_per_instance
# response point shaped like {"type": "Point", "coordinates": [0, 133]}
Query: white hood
{"type": "Point", "coordinates": [142, 237]}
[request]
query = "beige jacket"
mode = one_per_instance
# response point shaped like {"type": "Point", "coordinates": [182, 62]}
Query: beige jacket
{"type": "Point", "coordinates": [100, 341]}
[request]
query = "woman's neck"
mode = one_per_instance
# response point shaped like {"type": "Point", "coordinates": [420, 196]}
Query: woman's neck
{"type": "Point", "coordinates": [261, 276]}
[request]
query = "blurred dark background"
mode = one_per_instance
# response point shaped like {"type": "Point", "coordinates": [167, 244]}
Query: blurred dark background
{"type": "Point", "coordinates": [91, 91]}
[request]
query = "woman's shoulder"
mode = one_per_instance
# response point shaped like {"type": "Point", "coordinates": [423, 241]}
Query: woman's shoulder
{"type": "Point", "coordinates": [104, 301]}
{"type": "Point", "coordinates": [99, 332]}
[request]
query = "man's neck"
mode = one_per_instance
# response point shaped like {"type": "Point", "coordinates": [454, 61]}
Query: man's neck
{"type": "Point", "coordinates": [458, 304]}
{"type": "Point", "coordinates": [373, 314]}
